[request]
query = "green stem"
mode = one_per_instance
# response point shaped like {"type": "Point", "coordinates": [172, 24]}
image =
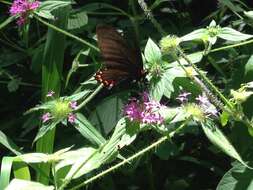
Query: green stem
{"type": "Point", "coordinates": [231, 46]}
{"type": "Point", "coordinates": [151, 17]}
{"type": "Point", "coordinates": [90, 97]}
{"type": "Point", "coordinates": [128, 160]}
{"type": "Point", "coordinates": [66, 33]}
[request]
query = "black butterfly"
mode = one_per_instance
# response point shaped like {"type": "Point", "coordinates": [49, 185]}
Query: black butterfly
{"type": "Point", "coordinates": [121, 63]}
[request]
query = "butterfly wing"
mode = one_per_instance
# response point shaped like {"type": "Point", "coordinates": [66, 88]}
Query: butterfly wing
{"type": "Point", "coordinates": [120, 61]}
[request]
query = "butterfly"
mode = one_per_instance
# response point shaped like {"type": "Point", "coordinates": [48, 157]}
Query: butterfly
{"type": "Point", "coordinates": [120, 62]}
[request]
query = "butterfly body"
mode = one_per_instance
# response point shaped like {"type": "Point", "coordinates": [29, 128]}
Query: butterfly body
{"type": "Point", "coordinates": [121, 63]}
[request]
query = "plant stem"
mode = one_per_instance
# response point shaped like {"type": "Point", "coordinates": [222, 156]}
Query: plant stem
{"type": "Point", "coordinates": [66, 33]}
{"type": "Point", "coordinates": [90, 97]}
{"type": "Point", "coordinates": [143, 151]}
{"type": "Point", "coordinates": [151, 17]}
{"type": "Point", "coordinates": [206, 80]}
{"type": "Point", "coordinates": [231, 46]}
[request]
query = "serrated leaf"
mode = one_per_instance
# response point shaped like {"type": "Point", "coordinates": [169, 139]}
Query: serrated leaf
{"type": "Point", "coordinates": [230, 34]}
{"type": "Point", "coordinates": [215, 135]}
{"type": "Point", "coordinates": [152, 52]}
{"type": "Point", "coordinates": [19, 184]}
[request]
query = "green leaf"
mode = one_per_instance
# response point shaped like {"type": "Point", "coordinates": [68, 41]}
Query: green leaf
{"type": "Point", "coordinates": [196, 34]}
{"type": "Point", "coordinates": [18, 184]}
{"type": "Point", "coordinates": [100, 156]}
{"type": "Point", "coordinates": [13, 85]}
{"type": "Point", "coordinates": [152, 52]}
{"type": "Point", "coordinates": [45, 128]}
{"type": "Point", "coordinates": [88, 131]}
{"type": "Point", "coordinates": [194, 58]}
{"type": "Point", "coordinates": [32, 158]}
{"type": "Point", "coordinates": [7, 21]}
{"type": "Point", "coordinates": [130, 134]}
{"type": "Point", "coordinates": [224, 118]}
{"type": "Point", "coordinates": [167, 150]}
{"type": "Point", "coordinates": [231, 6]}
{"type": "Point", "coordinates": [237, 178]}
{"type": "Point", "coordinates": [77, 20]}
{"type": "Point", "coordinates": [157, 88]}
{"type": "Point", "coordinates": [249, 14]}
{"type": "Point", "coordinates": [233, 35]}
{"type": "Point", "coordinates": [106, 120]}
{"type": "Point", "coordinates": [49, 6]}
{"type": "Point", "coordinates": [45, 14]}
{"type": "Point", "coordinates": [249, 67]}
{"type": "Point", "coordinates": [52, 66]}
{"type": "Point", "coordinates": [21, 171]}
{"type": "Point", "coordinates": [5, 171]}
{"type": "Point", "coordinates": [5, 141]}
{"type": "Point", "coordinates": [215, 135]}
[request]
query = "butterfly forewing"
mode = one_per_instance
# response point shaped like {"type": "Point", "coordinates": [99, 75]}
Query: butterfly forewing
{"type": "Point", "coordinates": [120, 61]}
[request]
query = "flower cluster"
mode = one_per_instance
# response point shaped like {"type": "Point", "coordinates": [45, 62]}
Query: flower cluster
{"type": "Point", "coordinates": [144, 111]}
{"type": "Point", "coordinates": [198, 110]}
{"type": "Point", "coordinates": [61, 109]}
{"type": "Point", "coordinates": [23, 9]}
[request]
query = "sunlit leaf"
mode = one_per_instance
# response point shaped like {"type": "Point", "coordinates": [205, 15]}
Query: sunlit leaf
{"type": "Point", "coordinates": [233, 35]}
{"type": "Point", "coordinates": [18, 184]}
{"type": "Point", "coordinates": [215, 135]}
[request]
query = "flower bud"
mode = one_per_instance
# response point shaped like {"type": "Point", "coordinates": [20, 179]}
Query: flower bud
{"type": "Point", "coordinates": [169, 44]}
{"type": "Point", "coordinates": [61, 109]}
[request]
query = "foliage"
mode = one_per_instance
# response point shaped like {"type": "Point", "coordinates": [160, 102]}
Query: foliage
{"type": "Point", "coordinates": [189, 119]}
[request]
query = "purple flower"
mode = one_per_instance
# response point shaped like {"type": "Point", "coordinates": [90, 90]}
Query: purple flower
{"type": "Point", "coordinates": [45, 117]}
{"type": "Point", "coordinates": [23, 9]}
{"type": "Point", "coordinates": [73, 105]}
{"type": "Point", "coordinates": [202, 99]}
{"type": "Point", "coordinates": [132, 110]}
{"type": "Point", "coordinates": [145, 111]}
{"type": "Point", "coordinates": [50, 93]}
{"type": "Point", "coordinates": [72, 118]}
{"type": "Point", "coordinates": [207, 106]}
{"type": "Point", "coordinates": [183, 97]}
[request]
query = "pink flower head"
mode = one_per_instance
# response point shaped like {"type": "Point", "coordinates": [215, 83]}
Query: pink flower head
{"type": "Point", "coordinates": [73, 105]}
{"type": "Point", "coordinates": [50, 93]}
{"type": "Point", "coordinates": [45, 117]}
{"type": "Point", "coordinates": [202, 99]}
{"type": "Point", "coordinates": [23, 9]}
{"type": "Point", "coordinates": [183, 97]}
{"type": "Point", "coordinates": [145, 111]}
{"type": "Point", "coordinates": [71, 118]}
